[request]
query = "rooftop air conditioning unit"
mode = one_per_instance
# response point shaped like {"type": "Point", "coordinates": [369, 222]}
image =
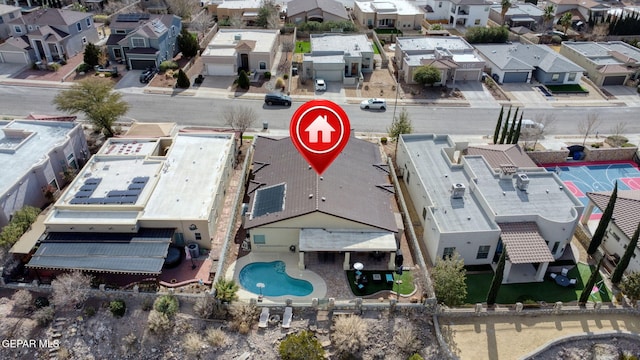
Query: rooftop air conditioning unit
{"type": "Point", "coordinates": [522, 182]}
{"type": "Point", "coordinates": [457, 190]}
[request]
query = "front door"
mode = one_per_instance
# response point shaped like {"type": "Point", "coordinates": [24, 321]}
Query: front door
{"type": "Point", "coordinates": [40, 48]}
{"type": "Point", "coordinates": [244, 62]}
{"type": "Point", "coordinates": [354, 69]}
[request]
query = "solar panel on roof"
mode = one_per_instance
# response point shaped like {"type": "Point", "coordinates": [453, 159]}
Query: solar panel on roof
{"type": "Point", "coordinates": [116, 193]}
{"type": "Point", "coordinates": [129, 200]}
{"type": "Point", "coordinates": [83, 194]}
{"type": "Point", "coordinates": [269, 200]}
{"type": "Point", "coordinates": [92, 181]}
{"type": "Point", "coordinates": [140, 180]}
{"type": "Point", "coordinates": [77, 201]}
{"type": "Point", "coordinates": [88, 187]}
{"type": "Point", "coordinates": [131, 192]}
{"type": "Point", "coordinates": [134, 17]}
{"type": "Point", "coordinates": [136, 186]}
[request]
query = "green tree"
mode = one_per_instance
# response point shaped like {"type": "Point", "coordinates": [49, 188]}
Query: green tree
{"type": "Point", "coordinates": [226, 290]}
{"type": "Point", "coordinates": [512, 128]}
{"type": "Point", "coordinates": [188, 43]}
{"type": "Point", "coordinates": [427, 75]}
{"type": "Point", "coordinates": [565, 21]}
{"type": "Point", "coordinates": [97, 100]}
{"type": "Point", "coordinates": [505, 128]}
{"type": "Point", "coordinates": [301, 346]}
{"type": "Point", "coordinates": [630, 286]}
{"type": "Point", "coordinates": [243, 80]}
{"type": "Point", "coordinates": [91, 55]}
{"type": "Point", "coordinates": [607, 214]}
{"type": "Point", "coordinates": [506, 4]}
{"type": "Point", "coordinates": [400, 124]}
{"type": "Point", "coordinates": [449, 280]}
{"type": "Point", "coordinates": [586, 292]}
{"type": "Point", "coordinates": [266, 14]}
{"type": "Point", "coordinates": [117, 307]}
{"type": "Point", "coordinates": [547, 17]}
{"type": "Point", "coordinates": [492, 295]}
{"type": "Point", "coordinates": [496, 132]}
{"type": "Point", "coordinates": [166, 304]}
{"type": "Point", "coordinates": [183, 80]}
{"type": "Point", "coordinates": [19, 224]}
{"type": "Point", "coordinates": [626, 258]}
{"type": "Point", "coordinates": [516, 136]}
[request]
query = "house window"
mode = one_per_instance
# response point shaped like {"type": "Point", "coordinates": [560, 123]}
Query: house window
{"type": "Point", "coordinates": [555, 247]}
{"type": "Point", "coordinates": [71, 161]}
{"type": "Point", "coordinates": [173, 30]}
{"type": "Point", "coordinates": [121, 32]}
{"type": "Point", "coordinates": [17, 29]}
{"type": "Point", "coordinates": [615, 236]}
{"type": "Point", "coordinates": [572, 76]}
{"type": "Point", "coordinates": [483, 252]}
{"type": "Point", "coordinates": [137, 42]}
{"type": "Point", "coordinates": [88, 22]}
{"type": "Point", "coordinates": [440, 4]}
{"type": "Point", "coordinates": [448, 252]}
{"type": "Point", "coordinates": [198, 236]}
{"type": "Point", "coordinates": [54, 184]}
{"type": "Point", "coordinates": [11, 16]}
{"type": "Point", "coordinates": [79, 27]}
{"type": "Point", "coordinates": [555, 77]}
{"type": "Point", "coordinates": [477, 22]}
{"type": "Point", "coordinates": [263, 65]}
{"type": "Point", "coordinates": [1, 20]}
{"type": "Point", "coordinates": [259, 239]}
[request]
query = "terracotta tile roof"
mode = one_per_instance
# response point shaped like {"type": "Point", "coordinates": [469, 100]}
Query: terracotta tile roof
{"type": "Point", "coordinates": [626, 213]}
{"type": "Point", "coordinates": [498, 155]}
{"type": "Point", "coordinates": [354, 188]}
{"type": "Point", "coordinates": [524, 243]}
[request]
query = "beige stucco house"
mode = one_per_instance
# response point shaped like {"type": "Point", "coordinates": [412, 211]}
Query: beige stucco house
{"type": "Point", "coordinates": [233, 49]}
{"type": "Point", "coordinates": [380, 14]}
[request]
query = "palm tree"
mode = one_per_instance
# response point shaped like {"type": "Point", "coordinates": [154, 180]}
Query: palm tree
{"type": "Point", "coordinates": [506, 4]}
{"type": "Point", "coordinates": [565, 21]}
{"type": "Point", "coordinates": [548, 15]}
{"type": "Point", "coordinates": [226, 290]}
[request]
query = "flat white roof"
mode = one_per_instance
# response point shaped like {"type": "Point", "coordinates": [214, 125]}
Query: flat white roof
{"type": "Point", "coordinates": [226, 39]}
{"type": "Point", "coordinates": [430, 43]}
{"type": "Point", "coordinates": [27, 143]}
{"type": "Point", "coordinates": [129, 147]}
{"type": "Point", "coordinates": [352, 44]}
{"type": "Point", "coordinates": [190, 178]}
{"type": "Point", "coordinates": [346, 240]}
{"type": "Point", "coordinates": [400, 7]}
{"type": "Point", "coordinates": [240, 4]}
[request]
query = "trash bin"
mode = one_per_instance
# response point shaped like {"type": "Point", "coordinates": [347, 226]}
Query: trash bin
{"type": "Point", "coordinates": [265, 125]}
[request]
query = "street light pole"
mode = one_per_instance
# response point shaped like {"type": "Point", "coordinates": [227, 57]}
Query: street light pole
{"type": "Point", "coordinates": [395, 105]}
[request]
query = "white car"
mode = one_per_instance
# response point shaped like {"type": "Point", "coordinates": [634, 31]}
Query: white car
{"type": "Point", "coordinates": [374, 104]}
{"type": "Point", "coordinates": [320, 85]}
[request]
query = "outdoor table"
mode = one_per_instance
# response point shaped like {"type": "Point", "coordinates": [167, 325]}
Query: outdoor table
{"type": "Point", "coordinates": [376, 277]}
{"type": "Point", "coordinates": [562, 280]}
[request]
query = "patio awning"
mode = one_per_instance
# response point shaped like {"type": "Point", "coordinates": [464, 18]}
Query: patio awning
{"type": "Point", "coordinates": [524, 243]}
{"type": "Point", "coordinates": [522, 19]}
{"type": "Point", "coordinates": [346, 240]}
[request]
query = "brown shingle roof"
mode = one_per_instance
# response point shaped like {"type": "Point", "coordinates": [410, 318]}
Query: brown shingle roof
{"type": "Point", "coordinates": [497, 155]}
{"type": "Point", "coordinates": [354, 187]}
{"type": "Point", "coordinates": [626, 212]}
{"type": "Point", "coordinates": [524, 243]}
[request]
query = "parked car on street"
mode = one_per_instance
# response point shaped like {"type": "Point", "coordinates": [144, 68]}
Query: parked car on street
{"type": "Point", "coordinates": [320, 85]}
{"type": "Point", "coordinates": [374, 104]}
{"type": "Point", "coordinates": [147, 75]}
{"type": "Point", "coordinates": [277, 99]}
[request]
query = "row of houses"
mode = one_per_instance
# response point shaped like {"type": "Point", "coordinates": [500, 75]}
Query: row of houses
{"type": "Point", "coordinates": [153, 191]}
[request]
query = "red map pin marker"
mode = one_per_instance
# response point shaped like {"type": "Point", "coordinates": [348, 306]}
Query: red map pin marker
{"type": "Point", "coordinates": [320, 129]}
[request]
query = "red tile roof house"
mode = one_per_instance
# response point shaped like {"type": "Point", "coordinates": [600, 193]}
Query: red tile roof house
{"type": "Point", "coordinates": [626, 216]}
{"type": "Point", "coordinates": [51, 35]}
{"type": "Point", "coordinates": [345, 210]}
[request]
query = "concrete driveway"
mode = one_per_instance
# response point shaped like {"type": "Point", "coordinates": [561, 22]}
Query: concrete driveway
{"type": "Point", "coordinates": [527, 95]}
{"type": "Point", "coordinates": [130, 82]}
{"type": "Point", "coordinates": [476, 94]}
{"type": "Point", "coordinates": [335, 92]}
{"type": "Point", "coordinates": [7, 69]}
{"type": "Point", "coordinates": [629, 95]}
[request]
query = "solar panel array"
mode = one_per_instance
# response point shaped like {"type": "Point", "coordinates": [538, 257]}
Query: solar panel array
{"type": "Point", "coordinates": [133, 17]}
{"type": "Point", "coordinates": [269, 200]}
{"type": "Point", "coordinates": [158, 26]}
{"type": "Point", "coordinates": [129, 196]}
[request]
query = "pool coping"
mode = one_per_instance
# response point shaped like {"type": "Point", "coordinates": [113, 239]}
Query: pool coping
{"type": "Point", "coordinates": [291, 269]}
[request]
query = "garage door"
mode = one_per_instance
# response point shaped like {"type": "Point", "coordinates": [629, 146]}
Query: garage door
{"type": "Point", "coordinates": [470, 75]}
{"type": "Point", "coordinates": [515, 77]}
{"type": "Point", "coordinates": [142, 64]}
{"type": "Point", "coordinates": [329, 75]}
{"type": "Point", "coordinates": [13, 57]}
{"type": "Point", "coordinates": [221, 70]}
{"type": "Point", "coordinates": [614, 80]}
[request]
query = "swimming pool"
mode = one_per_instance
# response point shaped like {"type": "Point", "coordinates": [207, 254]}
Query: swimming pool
{"type": "Point", "coordinates": [583, 178]}
{"type": "Point", "coordinates": [275, 279]}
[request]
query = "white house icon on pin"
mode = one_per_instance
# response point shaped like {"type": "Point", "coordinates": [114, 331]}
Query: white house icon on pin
{"type": "Point", "coordinates": [320, 125]}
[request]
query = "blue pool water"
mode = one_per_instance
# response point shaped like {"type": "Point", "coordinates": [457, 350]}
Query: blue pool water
{"type": "Point", "coordinates": [275, 279]}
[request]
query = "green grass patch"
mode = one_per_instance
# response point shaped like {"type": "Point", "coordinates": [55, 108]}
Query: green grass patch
{"type": "Point", "coordinates": [303, 47]}
{"type": "Point", "coordinates": [389, 31]}
{"type": "Point", "coordinates": [247, 137]}
{"type": "Point", "coordinates": [375, 48]}
{"type": "Point", "coordinates": [547, 291]}
{"type": "Point", "coordinates": [372, 287]}
{"type": "Point", "coordinates": [568, 88]}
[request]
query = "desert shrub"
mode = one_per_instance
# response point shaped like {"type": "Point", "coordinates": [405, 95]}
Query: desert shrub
{"type": "Point", "coordinates": [70, 289]}
{"type": "Point", "coordinates": [64, 353]}
{"type": "Point", "coordinates": [267, 75]}
{"type": "Point", "coordinates": [193, 344]}
{"type": "Point", "coordinates": [84, 67]}
{"type": "Point", "coordinates": [226, 291]}
{"type": "Point", "coordinates": [117, 307]}
{"type": "Point", "coordinates": [384, 140]}
{"type": "Point", "coordinates": [89, 311]}
{"type": "Point", "coordinates": [168, 65]}
{"type": "Point", "coordinates": [627, 145]}
{"type": "Point", "coordinates": [301, 346]}
{"type": "Point", "coordinates": [596, 145]}
{"type": "Point", "coordinates": [158, 322]}
{"type": "Point", "coordinates": [243, 316]}
{"type": "Point", "coordinates": [243, 80]}
{"type": "Point", "coordinates": [183, 80]}
{"type": "Point", "coordinates": [349, 335]}
{"type": "Point", "coordinates": [216, 337]}
{"type": "Point", "coordinates": [41, 302]}
{"type": "Point", "coordinates": [285, 76]}
{"type": "Point", "coordinates": [209, 307]}
{"type": "Point", "coordinates": [406, 340]}
{"type": "Point", "coordinates": [279, 83]}
{"type": "Point", "coordinates": [556, 39]}
{"type": "Point", "coordinates": [147, 304]}
{"type": "Point", "coordinates": [129, 343]}
{"type": "Point", "coordinates": [22, 301]}
{"type": "Point", "coordinates": [99, 18]}
{"type": "Point", "coordinates": [415, 357]}
{"type": "Point", "coordinates": [166, 304]}
{"type": "Point", "coordinates": [44, 316]}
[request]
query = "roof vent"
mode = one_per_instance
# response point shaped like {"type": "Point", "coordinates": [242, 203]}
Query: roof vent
{"type": "Point", "coordinates": [324, 198]}
{"type": "Point", "coordinates": [457, 190]}
{"type": "Point", "coordinates": [237, 37]}
{"type": "Point", "coordinates": [310, 196]}
{"type": "Point", "coordinates": [522, 182]}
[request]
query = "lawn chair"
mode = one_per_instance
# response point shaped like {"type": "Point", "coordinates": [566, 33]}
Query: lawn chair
{"type": "Point", "coordinates": [565, 271]}
{"type": "Point", "coordinates": [553, 276]}
{"type": "Point", "coordinates": [264, 318]}
{"type": "Point", "coordinates": [286, 318]}
{"type": "Point", "coordinates": [573, 282]}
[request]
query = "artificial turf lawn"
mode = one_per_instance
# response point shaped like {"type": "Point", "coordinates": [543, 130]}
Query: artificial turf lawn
{"type": "Point", "coordinates": [568, 88]}
{"type": "Point", "coordinates": [547, 291]}
{"type": "Point", "coordinates": [372, 287]}
{"type": "Point", "coordinates": [303, 47]}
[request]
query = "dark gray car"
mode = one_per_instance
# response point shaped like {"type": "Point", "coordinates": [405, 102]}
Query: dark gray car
{"type": "Point", "coordinates": [277, 99]}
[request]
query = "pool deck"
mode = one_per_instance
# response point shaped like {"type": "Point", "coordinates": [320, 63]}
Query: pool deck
{"type": "Point", "coordinates": [291, 262]}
